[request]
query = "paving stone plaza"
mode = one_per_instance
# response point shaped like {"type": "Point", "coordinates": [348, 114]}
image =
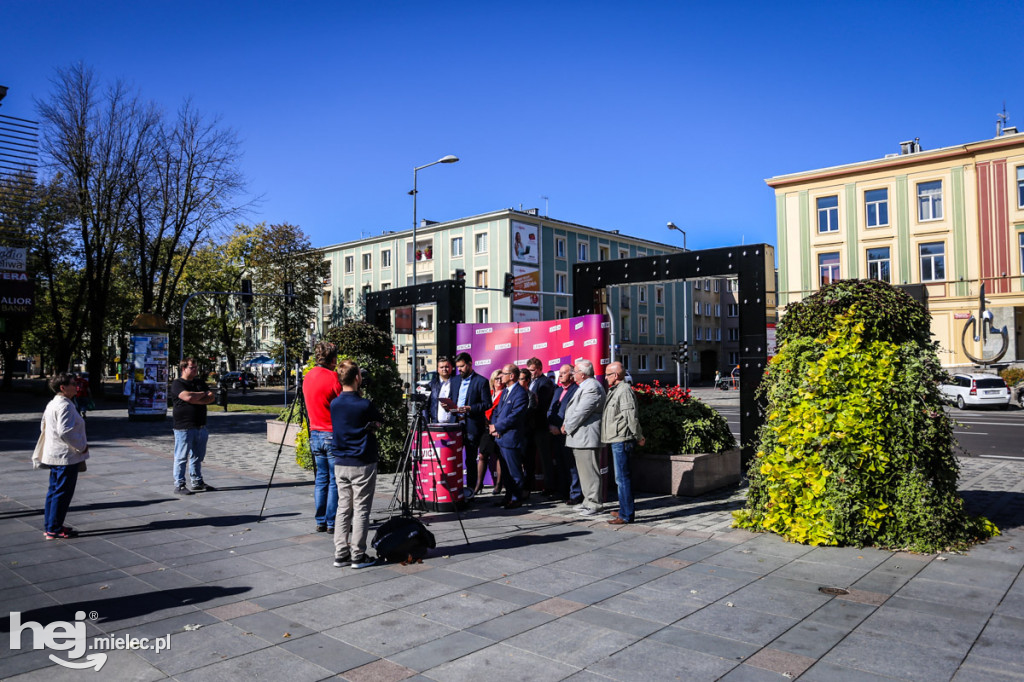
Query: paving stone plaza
{"type": "Point", "coordinates": [537, 594]}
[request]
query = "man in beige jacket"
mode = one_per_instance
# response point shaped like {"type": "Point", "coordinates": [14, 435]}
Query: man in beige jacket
{"type": "Point", "coordinates": [620, 428]}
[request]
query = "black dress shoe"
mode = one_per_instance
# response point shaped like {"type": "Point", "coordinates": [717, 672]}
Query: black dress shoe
{"type": "Point", "coordinates": [321, 528]}
{"type": "Point", "coordinates": [515, 504]}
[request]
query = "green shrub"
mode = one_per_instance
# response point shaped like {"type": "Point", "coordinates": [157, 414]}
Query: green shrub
{"type": "Point", "coordinates": [856, 448]}
{"type": "Point", "coordinates": [673, 422]}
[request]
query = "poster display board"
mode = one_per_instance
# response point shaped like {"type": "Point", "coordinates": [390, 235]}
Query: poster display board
{"type": "Point", "coordinates": [554, 342]}
{"type": "Point", "coordinates": [147, 384]}
{"type": "Point", "coordinates": [525, 243]}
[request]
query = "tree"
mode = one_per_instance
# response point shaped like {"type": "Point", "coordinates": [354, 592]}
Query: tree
{"type": "Point", "coordinates": [99, 145]}
{"type": "Point", "coordinates": [188, 189]}
{"type": "Point", "coordinates": [273, 255]}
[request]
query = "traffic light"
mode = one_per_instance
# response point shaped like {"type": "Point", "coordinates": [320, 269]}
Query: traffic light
{"type": "Point", "coordinates": [460, 275]}
{"type": "Point", "coordinates": [289, 293]}
{"type": "Point", "coordinates": [509, 284]}
{"type": "Point", "coordinates": [247, 293]}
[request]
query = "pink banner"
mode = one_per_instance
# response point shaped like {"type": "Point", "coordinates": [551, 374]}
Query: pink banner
{"type": "Point", "coordinates": [555, 342]}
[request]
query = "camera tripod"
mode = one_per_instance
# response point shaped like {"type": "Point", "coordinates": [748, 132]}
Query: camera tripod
{"type": "Point", "coordinates": [412, 457]}
{"type": "Point", "coordinates": [303, 419]}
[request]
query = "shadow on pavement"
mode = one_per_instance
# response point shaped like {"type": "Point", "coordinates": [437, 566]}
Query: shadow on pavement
{"type": "Point", "coordinates": [191, 522]}
{"type": "Point", "coordinates": [89, 507]}
{"type": "Point", "coordinates": [1005, 509]}
{"type": "Point", "coordinates": [128, 606]}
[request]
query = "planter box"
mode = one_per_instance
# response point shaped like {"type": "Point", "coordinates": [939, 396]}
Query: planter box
{"type": "Point", "coordinates": [685, 475]}
{"type": "Point", "coordinates": [276, 429]}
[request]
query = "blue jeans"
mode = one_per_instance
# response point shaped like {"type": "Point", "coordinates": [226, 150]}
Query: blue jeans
{"type": "Point", "coordinates": [325, 488]}
{"type": "Point", "coordinates": [190, 447]}
{"type": "Point", "coordinates": [621, 452]}
{"type": "Point", "coordinates": [512, 477]}
{"type": "Point", "coordinates": [58, 498]}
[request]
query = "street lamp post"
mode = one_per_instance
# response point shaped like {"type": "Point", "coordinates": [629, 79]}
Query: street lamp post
{"type": "Point", "coordinates": [685, 378]}
{"type": "Point", "coordinates": [415, 332]}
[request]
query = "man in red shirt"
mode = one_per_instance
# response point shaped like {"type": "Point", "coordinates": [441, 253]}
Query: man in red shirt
{"type": "Point", "coordinates": [320, 386]}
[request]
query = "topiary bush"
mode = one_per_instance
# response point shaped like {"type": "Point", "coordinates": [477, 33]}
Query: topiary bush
{"type": "Point", "coordinates": [673, 422]}
{"type": "Point", "coordinates": [856, 448]}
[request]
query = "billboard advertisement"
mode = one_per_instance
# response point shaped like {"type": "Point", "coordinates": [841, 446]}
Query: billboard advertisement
{"type": "Point", "coordinates": [525, 243]}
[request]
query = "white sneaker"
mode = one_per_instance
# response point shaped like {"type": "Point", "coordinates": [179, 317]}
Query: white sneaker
{"type": "Point", "coordinates": [587, 511]}
{"type": "Point", "coordinates": [579, 507]}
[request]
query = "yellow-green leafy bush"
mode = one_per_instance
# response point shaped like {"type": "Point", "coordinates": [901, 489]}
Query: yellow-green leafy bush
{"type": "Point", "coordinates": [856, 448]}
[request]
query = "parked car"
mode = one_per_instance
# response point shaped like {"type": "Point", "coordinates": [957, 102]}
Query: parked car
{"type": "Point", "coordinates": [977, 390]}
{"type": "Point", "coordinates": [234, 379]}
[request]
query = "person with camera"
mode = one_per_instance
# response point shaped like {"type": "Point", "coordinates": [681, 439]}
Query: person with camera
{"type": "Point", "coordinates": [354, 422]}
{"type": "Point", "coordinates": [319, 387]}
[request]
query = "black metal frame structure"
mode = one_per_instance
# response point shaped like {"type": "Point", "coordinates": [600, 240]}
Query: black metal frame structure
{"type": "Point", "coordinates": [449, 295]}
{"type": "Point", "coordinates": [753, 264]}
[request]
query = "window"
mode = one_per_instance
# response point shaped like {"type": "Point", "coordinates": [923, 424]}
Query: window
{"type": "Point", "coordinates": [385, 286]}
{"type": "Point", "coordinates": [481, 316]}
{"type": "Point", "coordinates": [625, 362]}
{"type": "Point", "coordinates": [707, 309]}
{"type": "Point", "coordinates": [828, 214]}
{"type": "Point", "coordinates": [933, 261]}
{"type": "Point", "coordinates": [623, 253]}
{"type": "Point", "coordinates": [624, 322]}
{"type": "Point", "coordinates": [1020, 186]}
{"type": "Point", "coordinates": [481, 278]}
{"type": "Point", "coordinates": [734, 285]}
{"type": "Point", "coordinates": [696, 307]}
{"type": "Point", "coordinates": [659, 362]}
{"type": "Point", "coordinates": [878, 264]}
{"type": "Point", "coordinates": [561, 313]}
{"type": "Point", "coordinates": [929, 200]}
{"type": "Point", "coordinates": [734, 334]}
{"type": "Point", "coordinates": [733, 310]}
{"type": "Point", "coordinates": [828, 267]}
{"type": "Point", "coordinates": [707, 285]}
{"type": "Point", "coordinates": [641, 362]}
{"type": "Point", "coordinates": [699, 333]}
{"type": "Point", "coordinates": [560, 283]}
{"type": "Point", "coordinates": [264, 332]}
{"type": "Point", "coordinates": [349, 295]}
{"type": "Point", "coordinates": [659, 295]}
{"type": "Point", "coordinates": [659, 326]}
{"type": "Point", "coordinates": [350, 264]}
{"type": "Point", "coordinates": [385, 258]}
{"type": "Point", "coordinates": [1020, 247]}
{"type": "Point", "coordinates": [718, 334]}
{"type": "Point", "coordinates": [718, 285]}
{"type": "Point", "coordinates": [876, 207]}
{"type": "Point", "coordinates": [604, 253]}
{"type": "Point", "coordinates": [643, 324]}
{"type": "Point", "coordinates": [582, 251]}
{"type": "Point", "coordinates": [480, 242]}
{"type": "Point", "coordinates": [718, 308]}
{"type": "Point", "coordinates": [367, 261]}
{"type": "Point", "coordinates": [734, 359]}
{"type": "Point", "coordinates": [641, 295]}
{"type": "Point", "coordinates": [559, 247]}
{"type": "Point", "coordinates": [707, 333]}
{"type": "Point", "coordinates": [456, 247]}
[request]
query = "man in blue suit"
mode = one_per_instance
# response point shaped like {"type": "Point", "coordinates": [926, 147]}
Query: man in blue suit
{"type": "Point", "coordinates": [441, 392]}
{"type": "Point", "coordinates": [472, 395]}
{"type": "Point", "coordinates": [508, 422]}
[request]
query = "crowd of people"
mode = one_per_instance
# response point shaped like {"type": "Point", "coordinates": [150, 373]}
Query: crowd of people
{"type": "Point", "coordinates": [522, 430]}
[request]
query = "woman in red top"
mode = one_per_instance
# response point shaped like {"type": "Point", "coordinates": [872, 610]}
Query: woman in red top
{"type": "Point", "coordinates": [488, 448]}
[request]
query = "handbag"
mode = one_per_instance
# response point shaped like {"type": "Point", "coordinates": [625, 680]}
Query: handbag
{"type": "Point", "coordinates": [37, 454]}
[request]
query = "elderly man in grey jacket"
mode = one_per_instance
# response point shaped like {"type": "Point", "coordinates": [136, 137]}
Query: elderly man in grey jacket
{"type": "Point", "coordinates": [620, 428]}
{"type": "Point", "coordinates": [582, 429]}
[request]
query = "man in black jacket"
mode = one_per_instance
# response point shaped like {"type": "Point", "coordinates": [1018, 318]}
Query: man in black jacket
{"type": "Point", "coordinates": [544, 389]}
{"type": "Point", "coordinates": [472, 395]}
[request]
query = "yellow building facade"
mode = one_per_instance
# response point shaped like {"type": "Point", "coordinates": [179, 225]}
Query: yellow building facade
{"type": "Point", "coordinates": [951, 219]}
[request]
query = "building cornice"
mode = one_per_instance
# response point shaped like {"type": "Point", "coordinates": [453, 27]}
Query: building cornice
{"type": "Point", "coordinates": [902, 160]}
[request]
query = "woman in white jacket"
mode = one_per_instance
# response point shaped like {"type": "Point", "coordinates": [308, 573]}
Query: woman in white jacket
{"type": "Point", "coordinates": [65, 449]}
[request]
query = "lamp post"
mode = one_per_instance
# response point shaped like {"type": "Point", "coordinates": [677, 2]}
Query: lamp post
{"type": "Point", "coordinates": [684, 380]}
{"type": "Point", "coordinates": [415, 356]}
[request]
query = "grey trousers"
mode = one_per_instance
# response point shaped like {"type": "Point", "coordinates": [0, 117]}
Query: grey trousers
{"type": "Point", "coordinates": [355, 498]}
{"type": "Point", "coordinates": [590, 476]}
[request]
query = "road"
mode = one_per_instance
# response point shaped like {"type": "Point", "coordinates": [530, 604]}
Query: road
{"type": "Point", "coordinates": [981, 433]}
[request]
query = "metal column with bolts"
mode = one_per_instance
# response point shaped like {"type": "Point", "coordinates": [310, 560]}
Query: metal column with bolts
{"type": "Point", "coordinates": [683, 378]}
{"type": "Point", "coordinates": [414, 372]}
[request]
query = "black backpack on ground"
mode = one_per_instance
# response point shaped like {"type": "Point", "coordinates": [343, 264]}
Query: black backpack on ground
{"type": "Point", "coordinates": [401, 539]}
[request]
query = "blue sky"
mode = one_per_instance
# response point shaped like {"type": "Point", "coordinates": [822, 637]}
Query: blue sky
{"type": "Point", "coordinates": [626, 115]}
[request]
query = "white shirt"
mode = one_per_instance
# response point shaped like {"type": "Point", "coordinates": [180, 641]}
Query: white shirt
{"type": "Point", "coordinates": [443, 415]}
